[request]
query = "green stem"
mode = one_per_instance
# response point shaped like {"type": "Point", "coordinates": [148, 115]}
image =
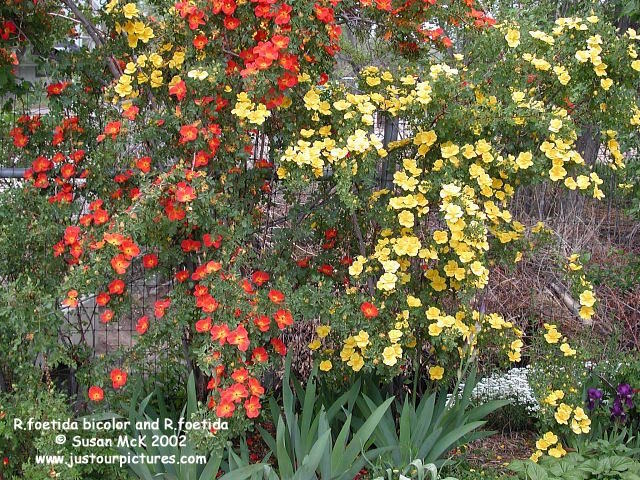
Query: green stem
{"type": "Point", "coordinates": [416, 372]}
{"type": "Point", "coordinates": [464, 367]}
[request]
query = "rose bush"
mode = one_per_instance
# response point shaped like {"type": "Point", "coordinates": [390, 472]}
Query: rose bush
{"type": "Point", "coordinates": [211, 149]}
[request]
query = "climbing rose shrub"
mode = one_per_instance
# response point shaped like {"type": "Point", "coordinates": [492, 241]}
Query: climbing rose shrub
{"type": "Point", "coordinates": [434, 229]}
{"type": "Point", "coordinates": [220, 113]}
{"type": "Point", "coordinates": [149, 154]}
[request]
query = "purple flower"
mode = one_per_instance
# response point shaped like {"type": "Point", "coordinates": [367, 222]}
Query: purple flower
{"type": "Point", "coordinates": [617, 410]}
{"type": "Point", "coordinates": [622, 402]}
{"type": "Point", "coordinates": [594, 396]}
{"type": "Point", "coordinates": [625, 390]}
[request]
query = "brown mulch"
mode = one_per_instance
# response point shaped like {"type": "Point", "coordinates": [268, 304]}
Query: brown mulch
{"type": "Point", "coordinates": [498, 450]}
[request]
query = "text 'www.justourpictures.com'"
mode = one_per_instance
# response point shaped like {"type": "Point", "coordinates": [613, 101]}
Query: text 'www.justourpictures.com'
{"type": "Point", "coordinates": [122, 460]}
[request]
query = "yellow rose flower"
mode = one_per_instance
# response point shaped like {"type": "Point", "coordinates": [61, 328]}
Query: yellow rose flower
{"type": "Point", "coordinates": [449, 150]}
{"type": "Point", "coordinates": [557, 451]}
{"type": "Point", "coordinates": [362, 339]}
{"type": "Point", "coordinates": [586, 312]}
{"type": "Point", "coordinates": [566, 349]}
{"type": "Point", "coordinates": [582, 56]}
{"type": "Point", "coordinates": [394, 335]}
{"type": "Point", "coordinates": [433, 313]}
{"type": "Point", "coordinates": [563, 413]}
{"type": "Point", "coordinates": [587, 299]}
{"type": "Point", "coordinates": [356, 362]}
{"type": "Point", "coordinates": [406, 219]}
{"type": "Point", "coordinates": [514, 356]}
{"type": "Point", "coordinates": [130, 10]}
{"type": "Point", "coordinates": [373, 81]}
{"type": "Point", "coordinates": [435, 329]}
{"type": "Point", "coordinates": [552, 336]}
{"type": "Point", "coordinates": [546, 441]}
{"type": "Point", "coordinates": [389, 356]}
{"type": "Point", "coordinates": [413, 301]}
{"type": "Point", "coordinates": [513, 38]}
{"type": "Point", "coordinates": [524, 160]}
{"type": "Point", "coordinates": [440, 237]}
{"type": "Point", "coordinates": [557, 172]}
{"type": "Point", "coordinates": [407, 246]}
{"type": "Point", "coordinates": [325, 365]}
{"type": "Point", "coordinates": [436, 372]}
{"type": "Point", "coordinates": [555, 125]}
{"type": "Point", "coordinates": [323, 331]}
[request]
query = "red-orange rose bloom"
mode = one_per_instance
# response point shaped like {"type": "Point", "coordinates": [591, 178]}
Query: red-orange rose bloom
{"type": "Point", "coordinates": [369, 310]}
{"type": "Point", "coordinates": [96, 394]}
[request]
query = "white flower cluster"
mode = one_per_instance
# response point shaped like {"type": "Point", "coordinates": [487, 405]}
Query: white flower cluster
{"type": "Point", "coordinates": [512, 385]}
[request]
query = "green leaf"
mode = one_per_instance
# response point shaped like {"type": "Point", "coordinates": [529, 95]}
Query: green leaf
{"type": "Point", "coordinates": [268, 438]}
{"type": "Point", "coordinates": [325, 462]}
{"type": "Point", "coordinates": [361, 437]}
{"type": "Point", "coordinates": [192, 400]}
{"type": "Point", "coordinates": [339, 447]}
{"type": "Point", "coordinates": [308, 411]}
{"type": "Point", "coordinates": [212, 467]}
{"type": "Point", "coordinates": [620, 464]}
{"type": "Point", "coordinates": [450, 440]}
{"type": "Point", "coordinates": [188, 470]}
{"type": "Point", "coordinates": [282, 455]}
{"type": "Point", "coordinates": [481, 412]}
{"type": "Point", "coordinates": [630, 9]}
{"type": "Point", "coordinates": [425, 415]}
{"type": "Point", "coordinates": [424, 448]}
{"type": "Point", "coordinates": [405, 426]}
{"type": "Point", "coordinates": [533, 471]}
{"type": "Point", "coordinates": [244, 473]}
{"type": "Point", "coordinates": [517, 466]}
{"type": "Point", "coordinates": [629, 476]}
{"type": "Point", "coordinates": [385, 433]}
{"type": "Point", "coordinates": [346, 397]}
{"type": "Point", "coordinates": [141, 470]}
{"type": "Point", "coordinates": [312, 460]}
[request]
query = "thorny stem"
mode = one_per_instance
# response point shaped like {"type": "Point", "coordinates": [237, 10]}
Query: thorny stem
{"type": "Point", "coordinates": [93, 32]}
{"type": "Point", "coordinates": [361, 247]}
